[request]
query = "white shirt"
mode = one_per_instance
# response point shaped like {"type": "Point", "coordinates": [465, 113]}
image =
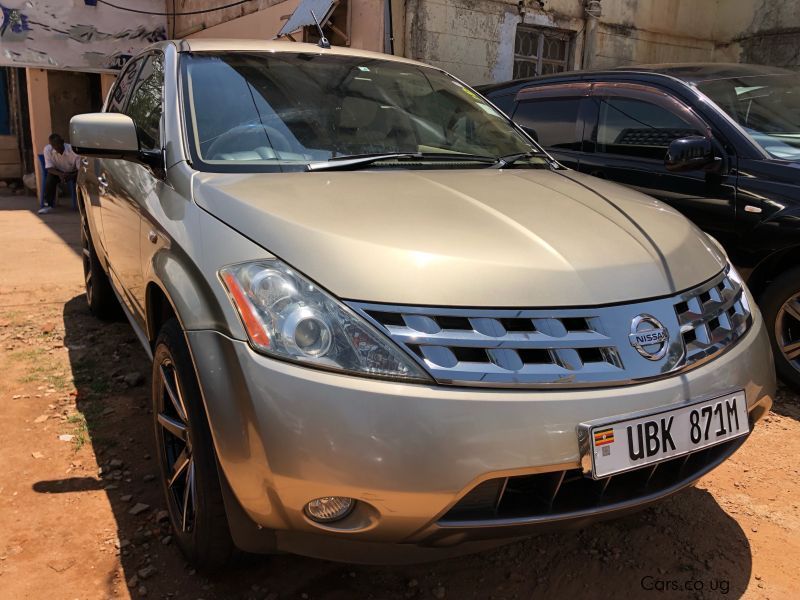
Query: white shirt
{"type": "Point", "coordinates": [67, 161]}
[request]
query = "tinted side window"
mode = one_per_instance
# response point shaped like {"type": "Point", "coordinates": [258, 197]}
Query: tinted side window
{"type": "Point", "coordinates": [123, 86]}
{"type": "Point", "coordinates": [551, 122]}
{"type": "Point", "coordinates": [638, 128]}
{"type": "Point", "coordinates": [146, 101]}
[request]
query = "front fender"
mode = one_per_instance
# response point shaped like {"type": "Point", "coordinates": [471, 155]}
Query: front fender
{"type": "Point", "coordinates": [183, 262]}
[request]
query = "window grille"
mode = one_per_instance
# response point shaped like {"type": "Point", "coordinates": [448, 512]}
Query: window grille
{"type": "Point", "coordinates": [541, 51]}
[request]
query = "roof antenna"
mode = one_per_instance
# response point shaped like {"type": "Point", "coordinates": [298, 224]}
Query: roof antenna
{"type": "Point", "coordinates": [323, 41]}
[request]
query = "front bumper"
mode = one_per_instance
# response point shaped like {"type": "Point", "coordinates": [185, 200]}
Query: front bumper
{"type": "Point", "coordinates": [286, 434]}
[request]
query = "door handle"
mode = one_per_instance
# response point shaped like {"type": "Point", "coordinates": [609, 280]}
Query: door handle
{"type": "Point", "coordinates": [152, 236]}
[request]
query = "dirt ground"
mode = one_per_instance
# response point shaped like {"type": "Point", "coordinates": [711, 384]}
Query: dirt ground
{"type": "Point", "coordinates": [76, 458]}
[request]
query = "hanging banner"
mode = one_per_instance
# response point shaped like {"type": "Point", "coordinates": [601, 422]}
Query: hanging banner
{"type": "Point", "coordinates": [77, 35]}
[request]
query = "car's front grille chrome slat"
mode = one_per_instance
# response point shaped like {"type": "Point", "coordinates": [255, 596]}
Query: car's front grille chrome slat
{"type": "Point", "coordinates": [713, 317]}
{"type": "Point", "coordinates": [564, 347]}
{"type": "Point", "coordinates": [588, 339]}
{"type": "Point", "coordinates": [604, 486]}
{"type": "Point", "coordinates": [650, 474]}
{"type": "Point", "coordinates": [501, 492]}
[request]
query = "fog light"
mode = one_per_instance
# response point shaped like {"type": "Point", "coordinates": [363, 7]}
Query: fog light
{"type": "Point", "coordinates": [330, 508]}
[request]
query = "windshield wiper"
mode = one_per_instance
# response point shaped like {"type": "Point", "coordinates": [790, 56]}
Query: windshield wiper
{"type": "Point", "coordinates": [458, 156]}
{"type": "Point", "coordinates": [509, 159]}
{"type": "Point", "coordinates": [344, 163]}
{"type": "Point", "coordinates": [348, 162]}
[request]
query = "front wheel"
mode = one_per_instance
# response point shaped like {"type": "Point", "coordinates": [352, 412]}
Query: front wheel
{"type": "Point", "coordinates": [186, 455]}
{"type": "Point", "coordinates": [780, 304]}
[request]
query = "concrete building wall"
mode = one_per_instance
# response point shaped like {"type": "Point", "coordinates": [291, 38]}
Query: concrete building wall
{"type": "Point", "coordinates": [54, 97]}
{"type": "Point", "coordinates": [262, 19]}
{"type": "Point", "coordinates": [70, 95]}
{"type": "Point", "coordinates": [262, 24]}
{"type": "Point", "coordinates": [760, 31]}
{"type": "Point", "coordinates": [655, 31]}
{"type": "Point", "coordinates": [474, 39]}
{"type": "Point", "coordinates": [184, 26]}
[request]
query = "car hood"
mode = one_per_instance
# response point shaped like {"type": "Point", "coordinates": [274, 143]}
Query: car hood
{"type": "Point", "coordinates": [494, 238]}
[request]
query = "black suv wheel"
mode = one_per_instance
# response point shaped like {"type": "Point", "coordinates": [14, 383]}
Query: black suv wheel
{"type": "Point", "coordinates": [186, 455]}
{"type": "Point", "coordinates": [780, 304]}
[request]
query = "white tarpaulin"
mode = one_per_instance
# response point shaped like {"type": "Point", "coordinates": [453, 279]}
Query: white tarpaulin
{"type": "Point", "coordinates": [302, 15]}
{"type": "Point", "coordinates": [79, 35]}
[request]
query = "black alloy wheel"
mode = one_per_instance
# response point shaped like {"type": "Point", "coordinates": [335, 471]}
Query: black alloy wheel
{"type": "Point", "coordinates": [189, 472]}
{"type": "Point", "coordinates": [177, 446]}
{"type": "Point", "coordinates": [780, 304]}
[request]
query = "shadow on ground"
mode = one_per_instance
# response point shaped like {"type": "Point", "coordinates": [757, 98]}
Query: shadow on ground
{"type": "Point", "coordinates": [685, 547]}
{"type": "Point", "coordinates": [62, 221]}
{"type": "Point", "coordinates": [787, 403]}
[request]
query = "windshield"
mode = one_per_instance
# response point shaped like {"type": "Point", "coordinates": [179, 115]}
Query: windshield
{"type": "Point", "coordinates": [281, 111]}
{"type": "Point", "coordinates": [767, 107]}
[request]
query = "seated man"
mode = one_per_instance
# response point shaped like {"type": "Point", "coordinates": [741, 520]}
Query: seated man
{"type": "Point", "coordinates": [61, 164]}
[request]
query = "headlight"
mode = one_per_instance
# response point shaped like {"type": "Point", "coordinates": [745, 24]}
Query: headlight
{"type": "Point", "coordinates": [287, 316]}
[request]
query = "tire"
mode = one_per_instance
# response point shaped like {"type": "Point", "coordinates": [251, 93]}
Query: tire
{"type": "Point", "coordinates": [780, 305]}
{"type": "Point", "coordinates": [99, 296]}
{"type": "Point", "coordinates": [189, 475]}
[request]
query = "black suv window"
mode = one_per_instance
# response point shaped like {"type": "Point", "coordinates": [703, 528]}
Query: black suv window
{"type": "Point", "coordinates": [638, 128]}
{"type": "Point", "coordinates": [551, 122]}
{"type": "Point", "coordinates": [144, 106]}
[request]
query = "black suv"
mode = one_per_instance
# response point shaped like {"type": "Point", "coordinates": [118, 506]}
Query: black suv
{"type": "Point", "coordinates": [718, 142]}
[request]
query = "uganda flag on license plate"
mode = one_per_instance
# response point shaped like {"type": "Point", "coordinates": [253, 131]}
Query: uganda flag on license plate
{"type": "Point", "coordinates": [604, 436]}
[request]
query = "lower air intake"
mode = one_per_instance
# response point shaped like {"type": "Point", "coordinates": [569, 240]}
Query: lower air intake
{"type": "Point", "coordinates": [561, 494]}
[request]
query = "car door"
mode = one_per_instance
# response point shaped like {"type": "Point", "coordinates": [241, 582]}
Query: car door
{"type": "Point", "coordinates": [129, 184]}
{"type": "Point", "coordinates": [95, 180]}
{"type": "Point", "coordinates": [633, 125]}
{"type": "Point", "coordinates": [552, 115]}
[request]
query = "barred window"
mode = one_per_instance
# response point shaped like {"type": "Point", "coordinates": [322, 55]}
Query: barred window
{"type": "Point", "coordinates": [541, 51]}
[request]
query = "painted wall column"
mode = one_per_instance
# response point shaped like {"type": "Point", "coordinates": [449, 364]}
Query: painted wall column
{"type": "Point", "coordinates": [592, 13]}
{"type": "Point", "coordinates": [39, 115]}
{"type": "Point", "coordinates": [106, 81]}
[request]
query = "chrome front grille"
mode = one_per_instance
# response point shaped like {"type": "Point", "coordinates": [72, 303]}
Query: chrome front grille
{"type": "Point", "coordinates": [564, 347]}
{"type": "Point", "coordinates": [712, 317]}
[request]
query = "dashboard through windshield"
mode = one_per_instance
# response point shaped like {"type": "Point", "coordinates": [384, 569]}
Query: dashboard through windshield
{"type": "Point", "coordinates": [766, 106]}
{"type": "Point", "coordinates": [281, 111]}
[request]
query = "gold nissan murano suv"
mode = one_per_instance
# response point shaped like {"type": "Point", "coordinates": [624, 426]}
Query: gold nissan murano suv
{"type": "Point", "coordinates": [384, 324]}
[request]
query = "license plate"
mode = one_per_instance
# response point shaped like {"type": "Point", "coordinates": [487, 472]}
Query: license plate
{"type": "Point", "coordinates": [630, 444]}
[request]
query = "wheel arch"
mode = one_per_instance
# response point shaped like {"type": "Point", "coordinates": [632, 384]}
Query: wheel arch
{"type": "Point", "coordinates": [771, 267]}
{"type": "Point", "coordinates": [159, 309]}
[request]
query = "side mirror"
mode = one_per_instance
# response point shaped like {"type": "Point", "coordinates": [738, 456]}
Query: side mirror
{"type": "Point", "coordinates": [104, 135]}
{"type": "Point", "coordinates": [110, 135]}
{"type": "Point", "coordinates": [690, 154]}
